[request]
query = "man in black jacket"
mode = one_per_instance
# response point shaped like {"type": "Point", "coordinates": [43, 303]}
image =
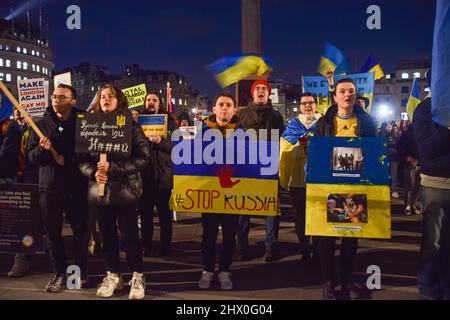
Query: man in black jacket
{"type": "Point", "coordinates": [158, 181]}
{"type": "Point", "coordinates": [62, 187]}
{"type": "Point", "coordinates": [433, 144]}
{"type": "Point", "coordinates": [344, 119]}
{"type": "Point", "coordinates": [259, 114]}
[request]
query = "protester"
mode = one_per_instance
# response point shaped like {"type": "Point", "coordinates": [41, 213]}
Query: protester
{"type": "Point", "coordinates": [387, 131]}
{"type": "Point", "coordinates": [117, 208]}
{"type": "Point", "coordinates": [157, 181]}
{"type": "Point", "coordinates": [222, 119]}
{"type": "Point", "coordinates": [344, 119]}
{"type": "Point", "coordinates": [62, 188]}
{"type": "Point", "coordinates": [259, 114]}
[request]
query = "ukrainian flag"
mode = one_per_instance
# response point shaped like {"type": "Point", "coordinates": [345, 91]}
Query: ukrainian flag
{"type": "Point", "coordinates": [232, 69]}
{"type": "Point", "coordinates": [372, 65]}
{"type": "Point", "coordinates": [6, 107]}
{"type": "Point", "coordinates": [440, 79]}
{"type": "Point", "coordinates": [414, 99]}
{"type": "Point", "coordinates": [333, 58]}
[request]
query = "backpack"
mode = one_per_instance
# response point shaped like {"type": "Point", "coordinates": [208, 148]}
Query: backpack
{"type": "Point", "coordinates": [23, 146]}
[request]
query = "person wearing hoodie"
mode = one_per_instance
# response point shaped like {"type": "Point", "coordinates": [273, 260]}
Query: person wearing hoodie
{"type": "Point", "coordinates": [344, 119]}
{"type": "Point", "coordinates": [62, 187]}
{"type": "Point", "coordinates": [117, 208]}
{"type": "Point", "coordinates": [260, 114]}
{"type": "Point", "coordinates": [157, 181]}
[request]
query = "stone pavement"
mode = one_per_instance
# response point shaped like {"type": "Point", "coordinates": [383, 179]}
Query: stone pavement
{"type": "Point", "coordinates": [176, 276]}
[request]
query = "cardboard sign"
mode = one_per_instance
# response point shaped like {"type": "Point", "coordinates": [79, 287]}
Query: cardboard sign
{"type": "Point", "coordinates": [135, 95]}
{"type": "Point", "coordinates": [33, 96]}
{"type": "Point", "coordinates": [63, 78]}
{"type": "Point", "coordinates": [153, 124]}
{"type": "Point", "coordinates": [20, 219]}
{"type": "Point", "coordinates": [108, 133]}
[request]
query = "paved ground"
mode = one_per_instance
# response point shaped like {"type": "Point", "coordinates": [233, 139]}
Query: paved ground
{"type": "Point", "coordinates": [176, 276]}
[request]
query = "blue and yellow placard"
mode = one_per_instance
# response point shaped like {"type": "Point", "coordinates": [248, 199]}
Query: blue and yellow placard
{"type": "Point", "coordinates": [154, 124]}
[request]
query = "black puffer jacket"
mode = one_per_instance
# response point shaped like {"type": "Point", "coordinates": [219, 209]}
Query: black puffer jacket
{"type": "Point", "coordinates": [261, 117]}
{"type": "Point", "coordinates": [364, 128]}
{"type": "Point", "coordinates": [124, 178]}
{"type": "Point", "coordinates": [53, 177]}
{"type": "Point", "coordinates": [159, 171]}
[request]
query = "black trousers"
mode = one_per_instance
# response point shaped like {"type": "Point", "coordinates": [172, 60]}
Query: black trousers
{"type": "Point", "coordinates": [124, 217]}
{"type": "Point", "coordinates": [75, 207]}
{"type": "Point", "coordinates": [160, 197]}
{"type": "Point", "coordinates": [211, 222]}
{"type": "Point", "coordinates": [327, 246]}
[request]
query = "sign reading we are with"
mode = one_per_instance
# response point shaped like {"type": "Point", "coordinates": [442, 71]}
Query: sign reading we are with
{"type": "Point", "coordinates": [108, 133]}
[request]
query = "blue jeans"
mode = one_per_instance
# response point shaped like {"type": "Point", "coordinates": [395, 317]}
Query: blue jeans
{"type": "Point", "coordinates": [272, 226]}
{"type": "Point", "coordinates": [434, 260]}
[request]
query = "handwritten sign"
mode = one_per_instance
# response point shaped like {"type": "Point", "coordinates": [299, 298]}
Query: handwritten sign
{"type": "Point", "coordinates": [108, 133]}
{"type": "Point", "coordinates": [135, 95]}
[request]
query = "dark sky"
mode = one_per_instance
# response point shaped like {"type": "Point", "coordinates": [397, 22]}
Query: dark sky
{"type": "Point", "coordinates": [186, 35]}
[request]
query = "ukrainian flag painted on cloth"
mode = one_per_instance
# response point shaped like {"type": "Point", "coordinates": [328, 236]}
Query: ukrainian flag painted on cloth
{"type": "Point", "coordinates": [333, 58]}
{"type": "Point", "coordinates": [372, 65]}
{"type": "Point", "coordinates": [292, 155]}
{"type": "Point", "coordinates": [6, 107]}
{"type": "Point", "coordinates": [440, 75]}
{"type": "Point", "coordinates": [232, 69]}
{"type": "Point", "coordinates": [414, 99]}
{"type": "Point", "coordinates": [238, 188]}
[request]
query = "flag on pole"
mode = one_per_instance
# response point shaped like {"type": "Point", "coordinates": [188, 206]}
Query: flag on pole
{"type": "Point", "coordinates": [333, 58]}
{"type": "Point", "coordinates": [414, 99]}
{"type": "Point", "coordinates": [169, 98]}
{"type": "Point", "coordinates": [440, 71]}
{"type": "Point", "coordinates": [372, 65]}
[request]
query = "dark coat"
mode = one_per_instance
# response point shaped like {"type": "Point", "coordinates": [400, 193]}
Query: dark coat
{"type": "Point", "coordinates": [53, 177]}
{"type": "Point", "coordinates": [261, 117]}
{"type": "Point", "coordinates": [364, 128]}
{"type": "Point", "coordinates": [433, 142]}
{"type": "Point", "coordinates": [124, 178]}
{"type": "Point", "coordinates": [9, 148]}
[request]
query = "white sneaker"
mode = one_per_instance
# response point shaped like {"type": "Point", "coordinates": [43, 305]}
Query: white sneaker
{"type": "Point", "coordinates": [111, 282]}
{"type": "Point", "coordinates": [395, 195]}
{"type": "Point", "coordinates": [137, 283]}
{"type": "Point", "coordinates": [417, 211]}
{"type": "Point", "coordinates": [225, 280]}
{"type": "Point", "coordinates": [408, 210]}
{"type": "Point", "coordinates": [205, 280]}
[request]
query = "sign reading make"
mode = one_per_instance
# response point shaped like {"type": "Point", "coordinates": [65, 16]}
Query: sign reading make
{"type": "Point", "coordinates": [20, 219]}
{"type": "Point", "coordinates": [108, 133]}
{"type": "Point", "coordinates": [33, 96]}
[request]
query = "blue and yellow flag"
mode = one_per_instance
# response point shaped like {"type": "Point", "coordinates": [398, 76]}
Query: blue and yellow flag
{"type": "Point", "coordinates": [440, 75]}
{"type": "Point", "coordinates": [333, 58]}
{"type": "Point", "coordinates": [414, 99]}
{"type": "Point", "coordinates": [232, 69]}
{"type": "Point", "coordinates": [372, 65]}
{"type": "Point", "coordinates": [6, 107]}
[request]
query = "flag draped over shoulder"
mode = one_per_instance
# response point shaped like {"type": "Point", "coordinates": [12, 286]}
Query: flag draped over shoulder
{"type": "Point", "coordinates": [414, 99]}
{"type": "Point", "coordinates": [6, 107]}
{"type": "Point", "coordinates": [333, 58]}
{"type": "Point", "coordinates": [372, 65]}
{"type": "Point", "coordinates": [440, 75]}
{"type": "Point", "coordinates": [232, 69]}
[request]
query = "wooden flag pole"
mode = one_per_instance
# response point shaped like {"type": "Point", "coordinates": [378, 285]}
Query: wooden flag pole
{"type": "Point", "coordinates": [101, 186]}
{"type": "Point", "coordinates": [25, 115]}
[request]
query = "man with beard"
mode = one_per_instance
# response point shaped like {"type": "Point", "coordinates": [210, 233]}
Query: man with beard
{"type": "Point", "coordinates": [158, 181]}
{"type": "Point", "coordinates": [293, 156]}
{"type": "Point", "coordinates": [259, 114]}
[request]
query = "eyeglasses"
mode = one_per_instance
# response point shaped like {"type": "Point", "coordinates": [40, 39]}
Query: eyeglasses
{"type": "Point", "coordinates": [263, 89]}
{"type": "Point", "coordinates": [307, 102]}
{"type": "Point", "coordinates": [60, 98]}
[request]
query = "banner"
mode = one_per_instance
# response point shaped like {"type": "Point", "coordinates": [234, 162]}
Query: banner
{"type": "Point", "coordinates": [135, 95]}
{"type": "Point", "coordinates": [153, 124]}
{"type": "Point", "coordinates": [225, 175]}
{"type": "Point", "coordinates": [319, 86]}
{"type": "Point", "coordinates": [33, 96]}
{"type": "Point", "coordinates": [63, 78]}
{"type": "Point", "coordinates": [188, 132]}
{"type": "Point", "coordinates": [103, 133]}
{"type": "Point", "coordinates": [20, 219]}
{"type": "Point", "coordinates": [347, 191]}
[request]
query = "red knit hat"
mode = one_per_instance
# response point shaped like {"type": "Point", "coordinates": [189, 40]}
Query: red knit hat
{"type": "Point", "coordinates": [257, 82]}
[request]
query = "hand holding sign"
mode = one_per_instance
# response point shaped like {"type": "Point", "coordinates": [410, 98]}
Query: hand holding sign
{"type": "Point", "coordinates": [154, 138]}
{"type": "Point", "coordinates": [46, 144]}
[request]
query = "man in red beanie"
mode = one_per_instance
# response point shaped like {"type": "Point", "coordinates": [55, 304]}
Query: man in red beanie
{"type": "Point", "coordinates": [259, 114]}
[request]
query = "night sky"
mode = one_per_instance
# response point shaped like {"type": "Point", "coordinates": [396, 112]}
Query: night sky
{"type": "Point", "coordinates": [186, 35]}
